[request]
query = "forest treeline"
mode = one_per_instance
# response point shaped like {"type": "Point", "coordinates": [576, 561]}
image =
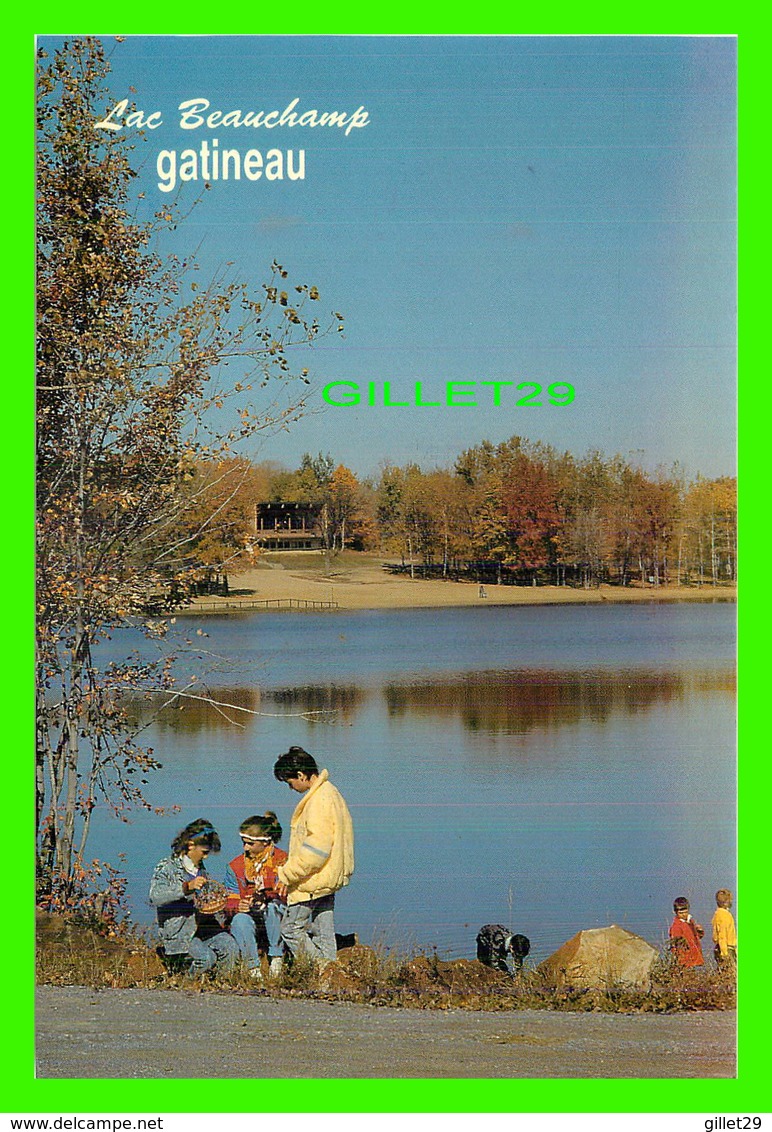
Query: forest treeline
{"type": "Point", "coordinates": [518, 511]}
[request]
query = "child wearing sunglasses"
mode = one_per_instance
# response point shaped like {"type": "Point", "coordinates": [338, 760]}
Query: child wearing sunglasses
{"type": "Point", "coordinates": [253, 901]}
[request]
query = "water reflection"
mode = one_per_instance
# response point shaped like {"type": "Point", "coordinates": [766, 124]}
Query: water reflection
{"type": "Point", "coordinates": [516, 703]}
{"type": "Point", "coordinates": [335, 700]}
{"type": "Point", "coordinates": [198, 709]}
{"type": "Point", "coordinates": [584, 757]}
{"type": "Point", "coordinates": [209, 708]}
{"type": "Point", "coordinates": [496, 702]}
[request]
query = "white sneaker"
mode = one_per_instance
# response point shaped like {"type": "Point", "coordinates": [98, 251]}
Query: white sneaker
{"type": "Point", "coordinates": [256, 974]}
{"type": "Point", "coordinates": [276, 966]}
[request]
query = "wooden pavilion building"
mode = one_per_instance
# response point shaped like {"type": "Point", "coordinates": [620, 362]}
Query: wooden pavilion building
{"type": "Point", "coordinates": [287, 526]}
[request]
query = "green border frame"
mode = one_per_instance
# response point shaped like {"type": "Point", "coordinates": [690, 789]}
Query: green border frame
{"type": "Point", "coordinates": [25, 1094]}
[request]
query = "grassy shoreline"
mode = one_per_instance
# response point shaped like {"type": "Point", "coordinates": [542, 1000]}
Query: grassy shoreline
{"type": "Point", "coordinates": [70, 953]}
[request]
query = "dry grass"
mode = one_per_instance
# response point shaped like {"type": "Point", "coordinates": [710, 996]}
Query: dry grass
{"type": "Point", "coordinates": [71, 954]}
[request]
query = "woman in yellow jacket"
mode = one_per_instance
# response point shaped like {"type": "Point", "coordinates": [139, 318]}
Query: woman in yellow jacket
{"type": "Point", "coordinates": [321, 857]}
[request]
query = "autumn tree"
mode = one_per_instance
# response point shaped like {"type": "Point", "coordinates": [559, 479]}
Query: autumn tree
{"type": "Point", "coordinates": [389, 511]}
{"type": "Point", "coordinates": [345, 505]}
{"type": "Point", "coordinates": [518, 515]}
{"type": "Point", "coordinates": [479, 471]}
{"type": "Point", "coordinates": [529, 496]}
{"type": "Point", "coordinates": [412, 519]}
{"type": "Point", "coordinates": [657, 508]}
{"type": "Point", "coordinates": [134, 398]}
{"type": "Point", "coordinates": [220, 517]}
{"type": "Point", "coordinates": [587, 494]}
{"type": "Point", "coordinates": [451, 504]}
{"type": "Point", "coordinates": [709, 530]}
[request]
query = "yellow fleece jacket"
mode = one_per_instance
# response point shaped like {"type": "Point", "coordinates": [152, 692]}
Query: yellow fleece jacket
{"type": "Point", "coordinates": [724, 931]}
{"type": "Point", "coordinates": [321, 848]}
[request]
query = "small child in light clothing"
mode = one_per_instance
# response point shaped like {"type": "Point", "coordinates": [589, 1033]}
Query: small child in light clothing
{"type": "Point", "coordinates": [724, 930]}
{"type": "Point", "coordinates": [685, 935]}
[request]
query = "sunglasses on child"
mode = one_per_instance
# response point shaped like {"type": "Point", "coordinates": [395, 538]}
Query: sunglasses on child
{"type": "Point", "coordinates": [252, 840]}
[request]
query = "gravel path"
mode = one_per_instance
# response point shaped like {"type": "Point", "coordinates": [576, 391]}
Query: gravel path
{"type": "Point", "coordinates": [146, 1033]}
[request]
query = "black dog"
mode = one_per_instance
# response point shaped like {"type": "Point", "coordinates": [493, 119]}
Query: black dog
{"type": "Point", "coordinates": [494, 943]}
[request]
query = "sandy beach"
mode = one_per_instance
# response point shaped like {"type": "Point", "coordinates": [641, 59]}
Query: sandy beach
{"type": "Point", "coordinates": [355, 581]}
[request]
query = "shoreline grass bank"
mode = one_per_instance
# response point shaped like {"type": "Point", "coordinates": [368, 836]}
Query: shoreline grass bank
{"type": "Point", "coordinates": [70, 953]}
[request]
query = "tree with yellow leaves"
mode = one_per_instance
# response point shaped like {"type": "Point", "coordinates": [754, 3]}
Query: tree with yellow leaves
{"type": "Point", "coordinates": [133, 399]}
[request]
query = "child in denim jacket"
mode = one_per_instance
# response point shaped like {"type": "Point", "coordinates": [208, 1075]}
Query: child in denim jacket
{"type": "Point", "coordinates": [176, 881]}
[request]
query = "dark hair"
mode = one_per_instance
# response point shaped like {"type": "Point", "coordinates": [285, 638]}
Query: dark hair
{"type": "Point", "coordinates": [200, 832]}
{"type": "Point", "coordinates": [680, 902]}
{"type": "Point", "coordinates": [293, 762]}
{"type": "Point", "coordinates": [520, 946]}
{"type": "Point", "coordinates": [267, 824]}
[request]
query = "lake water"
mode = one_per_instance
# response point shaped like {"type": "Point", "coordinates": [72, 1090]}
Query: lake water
{"type": "Point", "coordinates": [548, 768]}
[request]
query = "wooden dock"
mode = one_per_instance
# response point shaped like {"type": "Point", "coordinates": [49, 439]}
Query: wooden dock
{"type": "Point", "coordinates": [254, 605]}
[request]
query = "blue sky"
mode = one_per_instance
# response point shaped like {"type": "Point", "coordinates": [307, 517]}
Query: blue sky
{"type": "Point", "coordinates": [544, 209]}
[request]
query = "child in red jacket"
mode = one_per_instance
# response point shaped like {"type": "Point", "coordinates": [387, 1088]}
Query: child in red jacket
{"type": "Point", "coordinates": [685, 935]}
{"type": "Point", "coordinates": [253, 899]}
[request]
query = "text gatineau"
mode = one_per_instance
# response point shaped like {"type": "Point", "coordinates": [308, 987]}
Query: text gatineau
{"type": "Point", "coordinates": [210, 163]}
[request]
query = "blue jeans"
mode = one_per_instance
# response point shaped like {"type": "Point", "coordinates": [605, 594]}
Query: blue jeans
{"type": "Point", "coordinates": [219, 950]}
{"type": "Point", "coordinates": [309, 928]}
{"type": "Point", "coordinates": [244, 929]}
